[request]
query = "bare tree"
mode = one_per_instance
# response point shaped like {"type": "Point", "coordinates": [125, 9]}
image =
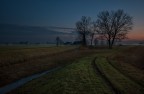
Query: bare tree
{"type": "Point", "coordinates": [113, 25]}
{"type": "Point", "coordinates": [83, 29]}
{"type": "Point", "coordinates": [57, 41]}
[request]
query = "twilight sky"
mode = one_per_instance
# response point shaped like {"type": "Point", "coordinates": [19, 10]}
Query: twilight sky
{"type": "Point", "coordinates": [61, 13]}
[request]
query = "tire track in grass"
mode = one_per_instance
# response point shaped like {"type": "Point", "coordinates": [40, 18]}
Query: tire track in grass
{"type": "Point", "coordinates": [77, 78]}
{"type": "Point", "coordinates": [118, 80]}
{"type": "Point", "coordinates": [103, 76]}
{"type": "Point", "coordinates": [122, 72]}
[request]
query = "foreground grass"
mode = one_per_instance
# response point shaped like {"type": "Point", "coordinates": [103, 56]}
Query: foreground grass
{"type": "Point", "coordinates": [130, 62]}
{"type": "Point", "coordinates": [80, 77]}
{"type": "Point", "coordinates": [130, 71]}
{"type": "Point", "coordinates": [19, 70]}
{"type": "Point", "coordinates": [77, 78]}
{"type": "Point", "coordinates": [120, 81]}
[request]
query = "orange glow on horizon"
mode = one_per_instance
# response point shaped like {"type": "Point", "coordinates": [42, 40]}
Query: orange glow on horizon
{"type": "Point", "coordinates": [136, 36]}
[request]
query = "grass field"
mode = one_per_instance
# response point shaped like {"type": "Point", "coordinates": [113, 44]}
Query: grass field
{"type": "Point", "coordinates": [77, 78]}
{"type": "Point", "coordinates": [36, 60]}
{"type": "Point", "coordinates": [15, 54]}
{"type": "Point", "coordinates": [86, 71]}
{"type": "Point", "coordinates": [130, 62]}
{"type": "Point", "coordinates": [18, 62]}
{"type": "Point", "coordinates": [122, 83]}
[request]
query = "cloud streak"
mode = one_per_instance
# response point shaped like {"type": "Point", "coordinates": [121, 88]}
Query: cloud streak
{"type": "Point", "coordinates": [15, 33]}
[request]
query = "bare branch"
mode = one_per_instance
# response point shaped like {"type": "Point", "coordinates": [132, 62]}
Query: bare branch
{"type": "Point", "coordinates": [83, 28]}
{"type": "Point", "coordinates": [113, 25]}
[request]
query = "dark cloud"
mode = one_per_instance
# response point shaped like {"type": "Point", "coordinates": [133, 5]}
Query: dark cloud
{"type": "Point", "coordinates": [15, 33]}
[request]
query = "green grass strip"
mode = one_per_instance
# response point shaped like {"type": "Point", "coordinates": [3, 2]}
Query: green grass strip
{"type": "Point", "coordinates": [124, 84]}
{"type": "Point", "coordinates": [130, 71]}
{"type": "Point", "coordinates": [77, 78]}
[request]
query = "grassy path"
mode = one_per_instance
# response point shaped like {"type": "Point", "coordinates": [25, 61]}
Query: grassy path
{"type": "Point", "coordinates": [120, 81]}
{"type": "Point", "coordinates": [32, 66]}
{"type": "Point", "coordinates": [88, 76]}
{"type": "Point", "coordinates": [104, 77]}
{"type": "Point", "coordinates": [77, 78]}
{"type": "Point", "coordinates": [130, 71]}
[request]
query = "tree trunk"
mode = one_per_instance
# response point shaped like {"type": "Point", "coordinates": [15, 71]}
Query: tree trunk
{"type": "Point", "coordinates": [109, 44]}
{"type": "Point", "coordinates": [113, 41]}
{"type": "Point", "coordinates": [84, 40]}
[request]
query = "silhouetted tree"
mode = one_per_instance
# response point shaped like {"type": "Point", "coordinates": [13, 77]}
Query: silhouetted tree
{"type": "Point", "coordinates": [83, 29]}
{"type": "Point", "coordinates": [57, 41]}
{"type": "Point", "coordinates": [113, 25]}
